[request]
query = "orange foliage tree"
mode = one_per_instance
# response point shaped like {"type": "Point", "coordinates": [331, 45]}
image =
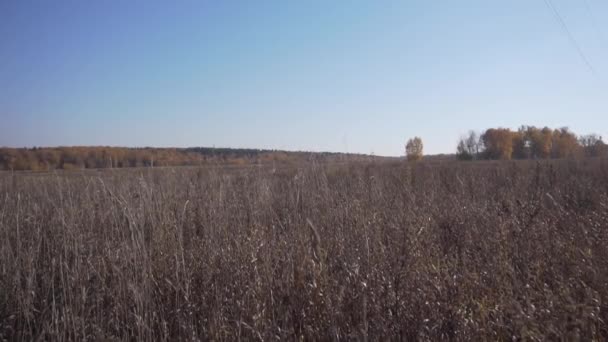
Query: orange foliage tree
{"type": "Point", "coordinates": [498, 143]}
{"type": "Point", "coordinates": [565, 144]}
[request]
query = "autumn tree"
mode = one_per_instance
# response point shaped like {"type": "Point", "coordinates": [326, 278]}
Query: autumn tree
{"type": "Point", "coordinates": [521, 143]}
{"type": "Point", "coordinates": [564, 144]}
{"type": "Point", "coordinates": [498, 143]}
{"type": "Point", "coordinates": [541, 142]}
{"type": "Point", "coordinates": [413, 149]}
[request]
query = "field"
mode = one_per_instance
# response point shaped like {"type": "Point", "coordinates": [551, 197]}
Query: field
{"type": "Point", "coordinates": [425, 251]}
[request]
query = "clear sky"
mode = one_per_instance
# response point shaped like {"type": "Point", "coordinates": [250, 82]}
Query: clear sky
{"type": "Point", "coordinates": [352, 76]}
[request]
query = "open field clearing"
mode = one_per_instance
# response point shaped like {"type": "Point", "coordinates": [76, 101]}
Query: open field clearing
{"type": "Point", "coordinates": [427, 251]}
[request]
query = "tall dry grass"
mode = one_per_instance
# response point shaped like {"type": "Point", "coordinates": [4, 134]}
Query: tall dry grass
{"type": "Point", "coordinates": [483, 251]}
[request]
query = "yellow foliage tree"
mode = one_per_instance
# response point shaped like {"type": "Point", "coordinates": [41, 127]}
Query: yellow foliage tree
{"type": "Point", "coordinates": [414, 149]}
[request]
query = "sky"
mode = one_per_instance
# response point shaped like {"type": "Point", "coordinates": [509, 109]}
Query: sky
{"type": "Point", "coordinates": [344, 76]}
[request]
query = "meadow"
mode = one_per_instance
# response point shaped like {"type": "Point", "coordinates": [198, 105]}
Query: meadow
{"type": "Point", "coordinates": [316, 251]}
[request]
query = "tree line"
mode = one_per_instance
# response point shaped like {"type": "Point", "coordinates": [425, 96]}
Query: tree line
{"type": "Point", "coordinates": [98, 157]}
{"type": "Point", "coordinates": [529, 142]}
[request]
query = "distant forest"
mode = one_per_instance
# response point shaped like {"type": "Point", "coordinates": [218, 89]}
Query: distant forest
{"type": "Point", "coordinates": [51, 158]}
{"type": "Point", "coordinates": [528, 142]}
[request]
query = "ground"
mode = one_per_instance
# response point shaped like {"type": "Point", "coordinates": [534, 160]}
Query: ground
{"type": "Point", "coordinates": [427, 250]}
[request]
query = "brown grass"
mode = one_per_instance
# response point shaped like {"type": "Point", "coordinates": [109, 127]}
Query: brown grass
{"type": "Point", "coordinates": [482, 251]}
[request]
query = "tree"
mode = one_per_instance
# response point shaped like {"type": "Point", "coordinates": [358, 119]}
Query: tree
{"type": "Point", "coordinates": [593, 145]}
{"type": "Point", "coordinates": [541, 142]}
{"type": "Point", "coordinates": [413, 149]}
{"type": "Point", "coordinates": [462, 153]}
{"type": "Point", "coordinates": [498, 143]}
{"type": "Point", "coordinates": [564, 144]}
{"type": "Point", "coordinates": [469, 147]}
{"type": "Point", "coordinates": [521, 143]}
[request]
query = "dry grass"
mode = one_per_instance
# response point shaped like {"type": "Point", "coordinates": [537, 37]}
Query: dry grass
{"type": "Point", "coordinates": [482, 251]}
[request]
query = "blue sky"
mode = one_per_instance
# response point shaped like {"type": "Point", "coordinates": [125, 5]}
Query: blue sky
{"type": "Point", "coordinates": [351, 76]}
